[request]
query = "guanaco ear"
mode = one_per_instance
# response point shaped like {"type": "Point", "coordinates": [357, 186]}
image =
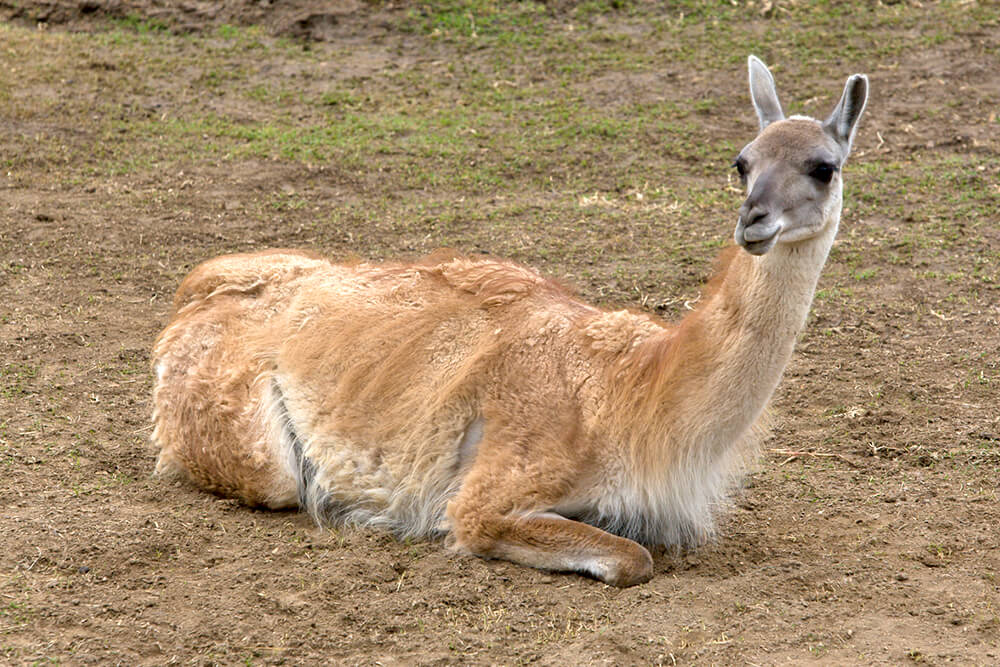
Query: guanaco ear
{"type": "Point", "coordinates": [843, 122]}
{"type": "Point", "coordinates": [763, 93]}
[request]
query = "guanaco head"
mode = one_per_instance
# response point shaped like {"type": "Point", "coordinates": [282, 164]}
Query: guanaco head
{"type": "Point", "coordinates": [792, 169]}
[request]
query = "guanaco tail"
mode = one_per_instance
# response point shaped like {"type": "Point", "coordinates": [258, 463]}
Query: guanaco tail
{"type": "Point", "coordinates": [474, 399]}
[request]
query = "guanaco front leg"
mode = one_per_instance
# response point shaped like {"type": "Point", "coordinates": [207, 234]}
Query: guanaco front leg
{"type": "Point", "coordinates": [500, 512]}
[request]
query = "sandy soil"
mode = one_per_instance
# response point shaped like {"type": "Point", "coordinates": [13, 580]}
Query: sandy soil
{"type": "Point", "coordinates": [868, 534]}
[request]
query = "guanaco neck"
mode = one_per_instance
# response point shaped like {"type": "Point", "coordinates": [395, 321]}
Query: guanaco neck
{"type": "Point", "coordinates": [704, 384]}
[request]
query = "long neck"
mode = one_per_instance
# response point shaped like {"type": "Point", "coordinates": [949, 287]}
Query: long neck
{"type": "Point", "coordinates": [705, 383]}
{"type": "Point", "coordinates": [750, 324]}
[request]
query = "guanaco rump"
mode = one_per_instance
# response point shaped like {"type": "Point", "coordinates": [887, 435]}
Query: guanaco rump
{"type": "Point", "coordinates": [474, 399]}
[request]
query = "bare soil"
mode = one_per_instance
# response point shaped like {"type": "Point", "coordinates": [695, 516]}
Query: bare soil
{"type": "Point", "coordinates": [868, 533]}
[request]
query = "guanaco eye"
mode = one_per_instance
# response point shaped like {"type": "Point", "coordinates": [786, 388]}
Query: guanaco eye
{"type": "Point", "coordinates": [823, 172]}
{"type": "Point", "coordinates": [741, 168]}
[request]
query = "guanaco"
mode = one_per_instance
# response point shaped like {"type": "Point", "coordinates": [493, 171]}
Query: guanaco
{"type": "Point", "coordinates": [475, 399]}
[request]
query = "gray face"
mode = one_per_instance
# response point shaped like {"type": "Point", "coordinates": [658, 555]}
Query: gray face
{"type": "Point", "coordinates": [792, 174]}
{"type": "Point", "coordinates": [792, 168]}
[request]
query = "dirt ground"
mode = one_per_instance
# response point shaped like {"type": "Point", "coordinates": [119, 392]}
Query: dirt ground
{"type": "Point", "coordinates": [867, 534]}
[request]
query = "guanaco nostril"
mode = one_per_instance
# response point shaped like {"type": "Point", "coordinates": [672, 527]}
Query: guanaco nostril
{"type": "Point", "coordinates": [754, 216]}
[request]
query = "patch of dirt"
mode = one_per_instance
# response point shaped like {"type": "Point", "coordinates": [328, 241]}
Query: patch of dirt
{"type": "Point", "coordinates": [867, 535]}
{"type": "Point", "coordinates": [302, 19]}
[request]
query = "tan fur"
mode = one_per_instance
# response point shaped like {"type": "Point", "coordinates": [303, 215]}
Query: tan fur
{"type": "Point", "coordinates": [474, 398]}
